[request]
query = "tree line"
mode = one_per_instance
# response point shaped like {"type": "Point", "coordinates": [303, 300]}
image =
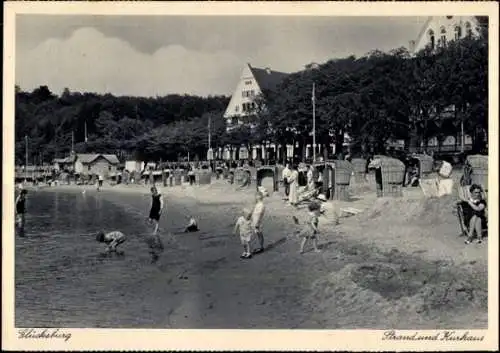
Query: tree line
{"type": "Point", "coordinates": [373, 99]}
{"type": "Point", "coordinates": [382, 97]}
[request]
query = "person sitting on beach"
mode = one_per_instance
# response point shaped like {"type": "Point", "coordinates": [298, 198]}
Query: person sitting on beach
{"type": "Point", "coordinates": [21, 211]}
{"type": "Point", "coordinates": [478, 205]}
{"type": "Point", "coordinates": [257, 216]}
{"type": "Point", "coordinates": [244, 229]}
{"type": "Point", "coordinates": [112, 239]}
{"type": "Point", "coordinates": [310, 229]}
{"type": "Point", "coordinates": [192, 226]}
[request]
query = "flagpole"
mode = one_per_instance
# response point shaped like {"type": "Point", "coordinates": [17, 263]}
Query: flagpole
{"type": "Point", "coordinates": [26, 167]}
{"type": "Point", "coordinates": [314, 122]}
{"type": "Point", "coordinates": [85, 131]}
{"type": "Point", "coordinates": [72, 141]}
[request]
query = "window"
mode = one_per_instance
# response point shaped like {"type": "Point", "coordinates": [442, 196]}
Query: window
{"type": "Point", "coordinates": [243, 94]}
{"type": "Point", "coordinates": [252, 93]}
{"type": "Point", "coordinates": [458, 32]}
{"type": "Point", "coordinates": [89, 167]}
{"type": "Point", "coordinates": [443, 36]}
{"type": "Point", "coordinates": [237, 108]}
{"type": "Point", "coordinates": [248, 82]}
{"type": "Point", "coordinates": [468, 29]}
{"type": "Point", "coordinates": [431, 39]}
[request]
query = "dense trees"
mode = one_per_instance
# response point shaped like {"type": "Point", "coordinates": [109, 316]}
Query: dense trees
{"type": "Point", "coordinates": [152, 128]}
{"type": "Point", "coordinates": [374, 98]}
{"type": "Point", "coordinates": [386, 96]}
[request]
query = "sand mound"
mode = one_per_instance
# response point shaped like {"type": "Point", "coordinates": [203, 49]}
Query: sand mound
{"type": "Point", "coordinates": [398, 292]}
{"type": "Point", "coordinates": [426, 210]}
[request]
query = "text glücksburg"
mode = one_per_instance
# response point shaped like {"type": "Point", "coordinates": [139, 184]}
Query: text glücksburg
{"type": "Point", "coordinates": [31, 333]}
{"type": "Point", "coordinates": [438, 336]}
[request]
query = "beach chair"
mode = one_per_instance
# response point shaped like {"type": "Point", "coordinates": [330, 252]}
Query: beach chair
{"type": "Point", "coordinates": [268, 176]}
{"type": "Point", "coordinates": [359, 165]}
{"type": "Point", "coordinates": [464, 213]}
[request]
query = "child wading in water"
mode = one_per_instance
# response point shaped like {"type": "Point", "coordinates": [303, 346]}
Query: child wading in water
{"type": "Point", "coordinates": [112, 239]}
{"type": "Point", "coordinates": [244, 229]}
{"type": "Point", "coordinates": [157, 204]}
{"type": "Point", "coordinates": [310, 230]}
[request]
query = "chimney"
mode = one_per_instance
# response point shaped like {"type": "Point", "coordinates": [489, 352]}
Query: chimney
{"type": "Point", "coordinates": [268, 70]}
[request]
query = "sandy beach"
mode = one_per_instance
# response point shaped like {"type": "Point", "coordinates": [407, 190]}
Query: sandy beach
{"type": "Point", "coordinates": [398, 264]}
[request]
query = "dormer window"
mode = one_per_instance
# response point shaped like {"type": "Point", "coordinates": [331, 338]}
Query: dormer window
{"type": "Point", "coordinates": [458, 32]}
{"type": "Point", "coordinates": [468, 29]}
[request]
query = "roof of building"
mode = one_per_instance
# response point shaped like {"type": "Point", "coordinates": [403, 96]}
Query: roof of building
{"type": "Point", "coordinates": [89, 158]}
{"type": "Point", "coordinates": [266, 78]}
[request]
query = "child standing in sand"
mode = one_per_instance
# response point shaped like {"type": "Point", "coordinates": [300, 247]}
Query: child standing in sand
{"type": "Point", "coordinates": [311, 230]}
{"type": "Point", "coordinates": [257, 216]}
{"type": "Point", "coordinates": [244, 229]}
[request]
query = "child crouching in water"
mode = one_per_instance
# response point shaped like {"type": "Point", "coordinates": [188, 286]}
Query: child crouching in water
{"type": "Point", "coordinates": [112, 239]}
{"type": "Point", "coordinates": [310, 230]}
{"type": "Point", "coordinates": [244, 229]}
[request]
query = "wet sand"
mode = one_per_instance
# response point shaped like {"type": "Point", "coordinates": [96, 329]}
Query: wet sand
{"type": "Point", "coordinates": [371, 273]}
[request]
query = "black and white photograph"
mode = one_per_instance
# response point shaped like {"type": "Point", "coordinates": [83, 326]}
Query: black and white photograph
{"type": "Point", "coordinates": [249, 171]}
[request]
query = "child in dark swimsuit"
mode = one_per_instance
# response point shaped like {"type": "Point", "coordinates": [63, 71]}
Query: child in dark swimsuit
{"type": "Point", "coordinates": [156, 208]}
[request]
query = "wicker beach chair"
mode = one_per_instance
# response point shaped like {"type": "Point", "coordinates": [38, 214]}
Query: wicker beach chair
{"type": "Point", "coordinates": [343, 171]}
{"type": "Point", "coordinates": [203, 176]}
{"type": "Point", "coordinates": [359, 165]}
{"type": "Point", "coordinates": [392, 174]}
{"type": "Point", "coordinates": [268, 177]}
{"type": "Point", "coordinates": [425, 165]}
{"type": "Point", "coordinates": [478, 170]}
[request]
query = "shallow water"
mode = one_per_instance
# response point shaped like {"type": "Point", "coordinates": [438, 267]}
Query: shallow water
{"type": "Point", "coordinates": [61, 279]}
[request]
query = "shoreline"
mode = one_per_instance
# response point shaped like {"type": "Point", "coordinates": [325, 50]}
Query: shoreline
{"type": "Point", "coordinates": [224, 287]}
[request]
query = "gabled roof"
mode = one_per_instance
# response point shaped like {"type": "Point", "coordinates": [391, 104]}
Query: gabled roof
{"type": "Point", "coordinates": [267, 79]}
{"type": "Point", "coordinates": [89, 158]}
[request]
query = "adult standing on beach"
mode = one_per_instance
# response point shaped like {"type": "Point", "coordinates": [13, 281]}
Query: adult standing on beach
{"type": "Point", "coordinates": [21, 211]}
{"type": "Point", "coordinates": [156, 208]}
{"type": "Point", "coordinates": [293, 179]}
{"type": "Point", "coordinates": [284, 176]}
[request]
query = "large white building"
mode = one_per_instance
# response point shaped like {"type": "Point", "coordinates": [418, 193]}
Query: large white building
{"type": "Point", "coordinates": [439, 30]}
{"type": "Point", "coordinates": [253, 83]}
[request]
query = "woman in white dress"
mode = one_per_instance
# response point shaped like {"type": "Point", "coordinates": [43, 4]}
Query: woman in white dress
{"type": "Point", "coordinates": [293, 180]}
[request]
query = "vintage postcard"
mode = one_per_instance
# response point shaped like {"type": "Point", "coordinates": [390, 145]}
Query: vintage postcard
{"type": "Point", "coordinates": [250, 176]}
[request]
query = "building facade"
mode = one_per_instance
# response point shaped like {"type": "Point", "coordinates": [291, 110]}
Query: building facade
{"type": "Point", "coordinates": [439, 30]}
{"type": "Point", "coordinates": [100, 164]}
{"type": "Point", "coordinates": [253, 82]}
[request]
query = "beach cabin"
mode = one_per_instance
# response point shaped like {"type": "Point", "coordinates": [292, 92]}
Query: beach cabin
{"type": "Point", "coordinates": [98, 164]}
{"type": "Point", "coordinates": [61, 164]}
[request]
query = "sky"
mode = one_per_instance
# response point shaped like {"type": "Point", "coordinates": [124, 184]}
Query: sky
{"type": "Point", "coordinates": [203, 55]}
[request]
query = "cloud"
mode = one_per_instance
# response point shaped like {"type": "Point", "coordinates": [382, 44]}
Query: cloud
{"type": "Point", "coordinates": [90, 61]}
